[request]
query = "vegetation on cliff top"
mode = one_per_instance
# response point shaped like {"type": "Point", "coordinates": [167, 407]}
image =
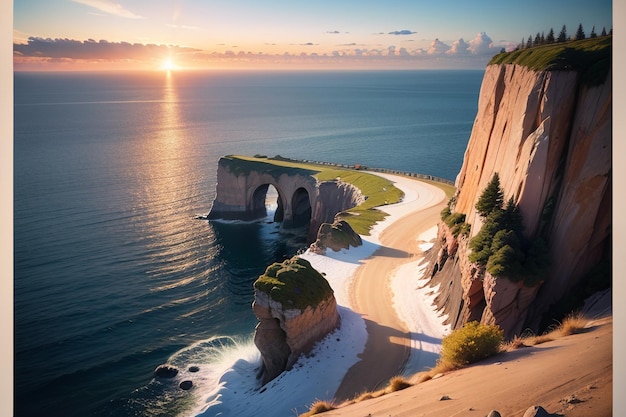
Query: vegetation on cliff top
{"type": "Point", "coordinates": [590, 57]}
{"type": "Point", "coordinates": [294, 283]}
{"type": "Point", "coordinates": [377, 190]}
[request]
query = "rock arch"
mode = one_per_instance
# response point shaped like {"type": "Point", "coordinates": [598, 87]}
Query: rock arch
{"type": "Point", "coordinates": [301, 208]}
{"type": "Point", "coordinates": [242, 186]}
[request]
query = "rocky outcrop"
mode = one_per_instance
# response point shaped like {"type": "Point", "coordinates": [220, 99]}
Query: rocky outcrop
{"type": "Point", "coordinates": [333, 197]}
{"type": "Point", "coordinates": [242, 185]}
{"type": "Point", "coordinates": [336, 236]}
{"type": "Point", "coordinates": [548, 136]}
{"type": "Point", "coordinates": [296, 308]}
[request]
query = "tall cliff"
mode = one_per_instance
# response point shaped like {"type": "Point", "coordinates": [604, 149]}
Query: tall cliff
{"type": "Point", "coordinates": [547, 133]}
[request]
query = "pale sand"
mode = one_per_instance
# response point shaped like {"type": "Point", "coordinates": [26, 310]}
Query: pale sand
{"type": "Point", "coordinates": [388, 345]}
{"type": "Point", "coordinates": [571, 376]}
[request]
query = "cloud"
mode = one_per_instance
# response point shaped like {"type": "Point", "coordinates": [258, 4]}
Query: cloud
{"type": "Point", "coordinates": [437, 47]}
{"type": "Point", "coordinates": [333, 32]}
{"type": "Point", "coordinates": [459, 47]}
{"type": "Point", "coordinates": [184, 27]}
{"type": "Point", "coordinates": [91, 49]}
{"type": "Point", "coordinates": [402, 32]}
{"type": "Point", "coordinates": [107, 6]}
{"type": "Point", "coordinates": [481, 44]}
{"type": "Point", "coordinates": [42, 52]}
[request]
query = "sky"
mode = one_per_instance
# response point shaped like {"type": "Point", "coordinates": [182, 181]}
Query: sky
{"type": "Point", "coordinates": [193, 34]}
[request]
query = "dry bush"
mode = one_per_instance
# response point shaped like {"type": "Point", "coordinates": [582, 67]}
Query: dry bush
{"type": "Point", "coordinates": [318, 407]}
{"type": "Point", "coordinates": [397, 383]}
{"type": "Point", "coordinates": [572, 324]}
{"type": "Point", "coordinates": [516, 343]}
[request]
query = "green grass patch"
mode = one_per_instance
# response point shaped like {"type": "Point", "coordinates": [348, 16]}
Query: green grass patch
{"type": "Point", "coordinates": [378, 191]}
{"type": "Point", "coordinates": [590, 57]}
{"type": "Point", "coordinates": [294, 283]}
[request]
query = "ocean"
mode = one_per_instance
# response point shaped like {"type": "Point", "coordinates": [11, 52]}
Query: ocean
{"type": "Point", "coordinates": [114, 274]}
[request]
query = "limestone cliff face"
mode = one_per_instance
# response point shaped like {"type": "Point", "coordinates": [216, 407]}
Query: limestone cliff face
{"type": "Point", "coordinates": [296, 308]}
{"type": "Point", "coordinates": [548, 136]}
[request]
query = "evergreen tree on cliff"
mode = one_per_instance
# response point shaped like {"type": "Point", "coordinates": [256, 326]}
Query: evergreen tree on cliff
{"type": "Point", "coordinates": [580, 34]}
{"type": "Point", "coordinates": [550, 37]}
{"type": "Point", "coordinates": [562, 35]}
{"type": "Point", "coordinates": [492, 198]}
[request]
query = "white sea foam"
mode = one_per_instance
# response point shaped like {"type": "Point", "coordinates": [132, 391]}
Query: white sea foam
{"type": "Point", "coordinates": [316, 377]}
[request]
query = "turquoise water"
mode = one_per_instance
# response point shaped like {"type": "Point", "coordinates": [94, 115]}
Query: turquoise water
{"type": "Point", "coordinates": [113, 272]}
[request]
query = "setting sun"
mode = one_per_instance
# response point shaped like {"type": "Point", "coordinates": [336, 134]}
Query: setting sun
{"type": "Point", "coordinates": [168, 65]}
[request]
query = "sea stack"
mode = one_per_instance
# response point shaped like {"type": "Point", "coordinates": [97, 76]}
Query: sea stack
{"type": "Point", "coordinates": [296, 308]}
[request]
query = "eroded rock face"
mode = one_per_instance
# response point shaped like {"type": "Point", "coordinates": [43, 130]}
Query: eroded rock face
{"type": "Point", "coordinates": [242, 185]}
{"type": "Point", "coordinates": [549, 139]}
{"type": "Point", "coordinates": [296, 308]}
{"type": "Point", "coordinates": [336, 236]}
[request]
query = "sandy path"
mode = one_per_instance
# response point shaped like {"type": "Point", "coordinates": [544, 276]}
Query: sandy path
{"type": "Point", "coordinates": [388, 343]}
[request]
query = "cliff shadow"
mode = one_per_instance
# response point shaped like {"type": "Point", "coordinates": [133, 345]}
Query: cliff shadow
{"type": "Point", "coordinates": [387, 353]}
{"type": "Point", "coordinates": [357, 255]}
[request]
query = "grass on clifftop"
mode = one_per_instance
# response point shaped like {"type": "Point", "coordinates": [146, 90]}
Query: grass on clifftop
{"type": "Point", "coordinates": [590, 57]}
{"type": "Point", "coordinates": [294, 283]}
{"type": "Point", "coordinates": [378, 191]}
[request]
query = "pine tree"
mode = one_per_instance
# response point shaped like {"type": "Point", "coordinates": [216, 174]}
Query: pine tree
{"type": "Point", "coordinates": [537, 40]}
{"type": "Point", "coordinates": [550, 37]}
{"type": "Point", "coordinates": [562, 35]}
{"type": "Point", "coordinates": [543, 38]}
{"type": "Point", "coordinates": [580, 34]}
{"type": "Point", "coordinates": [492, 197]}
{"type": "Point", "coordinates": [529, 42]}
{"type": "Point", "coordinates": [593, 32]}
{"type": "Point", "coordinates": [603, 33]}
{"type": "Point", "coordinates": [513, 217]}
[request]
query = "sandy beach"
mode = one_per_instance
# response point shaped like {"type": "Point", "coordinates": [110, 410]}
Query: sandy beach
{"type": "Point", "coordinates": [389, 340]}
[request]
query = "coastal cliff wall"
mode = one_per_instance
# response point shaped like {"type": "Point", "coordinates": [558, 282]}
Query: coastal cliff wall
{"type": "Point", "coordinates": [548, 136]}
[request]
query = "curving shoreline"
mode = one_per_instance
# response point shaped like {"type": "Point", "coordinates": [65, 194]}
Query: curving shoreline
{"type": "Point", "coordinates": [389, 343]}
{"type": "Point", "coordinates": [321, 374]}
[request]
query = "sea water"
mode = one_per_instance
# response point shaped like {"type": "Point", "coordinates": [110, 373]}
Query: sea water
{"type": "Point", "coordinates": [115, 275]}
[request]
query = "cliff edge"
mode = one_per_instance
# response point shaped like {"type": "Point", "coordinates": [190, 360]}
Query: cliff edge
{"type": "Point", "coordinates": [544, 126]}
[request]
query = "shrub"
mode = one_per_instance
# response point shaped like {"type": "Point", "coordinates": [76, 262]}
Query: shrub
{"type": "Point", "coordinates": [472, 342]}
{"type": "Point", "coordinates": [572, 324]}
{"type": "Point", "coordinates": [318, 407]}
{"type": "Point", "coordinates": [398, 383]}
{"type": "Point", "coordinates": [445, 213]}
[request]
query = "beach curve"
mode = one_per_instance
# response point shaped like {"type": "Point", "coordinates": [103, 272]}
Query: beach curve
{"type": "Point", "coordinates": [389, 340]}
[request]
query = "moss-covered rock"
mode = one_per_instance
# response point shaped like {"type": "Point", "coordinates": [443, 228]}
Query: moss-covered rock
{"type": "Point", "coordinates": [294, 283]}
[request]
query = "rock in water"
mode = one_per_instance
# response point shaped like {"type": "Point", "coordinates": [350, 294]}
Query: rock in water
{"type": "Point", "coordinates": [296, 308]}
{"type": "Point", "coordinates": [186, 385]}
{"type": "Point", "coordinates": [165, 371]}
